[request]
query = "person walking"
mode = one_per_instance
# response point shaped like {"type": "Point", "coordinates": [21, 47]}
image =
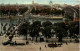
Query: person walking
{"type": "Point", "coordinates": [45, 45]}
{"type": "Point", "coordinates": [40, 48]}
{"type": "Point", "coordinates": [66, 43]}
{"type": "Point", "coordinates": [10, 37]}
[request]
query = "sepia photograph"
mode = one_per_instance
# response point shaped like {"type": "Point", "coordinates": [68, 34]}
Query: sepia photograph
{"type": "Point", "coordinates": [39, 25]}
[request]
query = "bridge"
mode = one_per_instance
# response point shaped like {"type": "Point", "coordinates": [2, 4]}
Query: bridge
{"type": "Point", "coordinates": [71, 10]}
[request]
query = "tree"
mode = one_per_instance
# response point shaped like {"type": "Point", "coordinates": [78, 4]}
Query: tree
{"type": "Point", "coordinates": [35, 29]}
{"type": "Point", "coordinates": [60, 30]}
{"type": "Point", "coordinates": [47, 32]}
{"type": "Point", "coordinates": [24, 28]}
{"type": "Point", "coordinates": [47, 23]}
{"type": "Point", "coordinates": [13, 12]}
{"type": "Point", "coordinates": [74, 29]}
{"type": "Point", "coordinates": [24, 10]}
{"type": "Point", "coordinates": [33, 10]}
{"type": "Point", "coordinates": [47, 29]}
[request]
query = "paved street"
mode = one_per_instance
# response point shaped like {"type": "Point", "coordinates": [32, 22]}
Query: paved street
{"type": "Point", "coordinates": [36, 47]}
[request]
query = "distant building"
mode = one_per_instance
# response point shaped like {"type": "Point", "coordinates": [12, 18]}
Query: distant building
{"type": "Point", "coordinates": [11, 7]}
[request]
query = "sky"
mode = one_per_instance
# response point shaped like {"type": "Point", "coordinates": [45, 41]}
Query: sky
{"type": "Point", "coordinates": [70, 2]}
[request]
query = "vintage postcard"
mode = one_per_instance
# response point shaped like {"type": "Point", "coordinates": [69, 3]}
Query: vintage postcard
{"type": "Point", "coordinates": [39, 25]}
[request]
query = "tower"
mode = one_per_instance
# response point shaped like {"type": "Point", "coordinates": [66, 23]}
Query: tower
{"type": "Point", "coordinates": [51, 3]}
{"type": "Point", "coordinates": [33, 2]}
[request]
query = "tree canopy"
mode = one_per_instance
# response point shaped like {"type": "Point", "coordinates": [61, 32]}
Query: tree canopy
{"type": "Point", "coordinates": [35, 29]}
{"type": "Point", "coordinates": [23, 29]}
{"type": "Point", "coordinates": [47, 29]}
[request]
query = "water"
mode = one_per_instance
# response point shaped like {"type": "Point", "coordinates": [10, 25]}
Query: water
{"type": "Point", "coordinates": [8, 22]}
{"type": "Point", "coordinates": [16, 21]}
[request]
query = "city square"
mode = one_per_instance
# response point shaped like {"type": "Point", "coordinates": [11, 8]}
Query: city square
{"type": "Point", "coordinates": [36, 25]}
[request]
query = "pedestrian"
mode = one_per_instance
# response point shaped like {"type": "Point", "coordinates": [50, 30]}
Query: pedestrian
{"type": "Point", "coordinates": [55, 42]}
{"type": "Point", "coordinates": [15, 42]}
{"type": "Point", "coordinates": [40, 48]}
{"type": "Point", "coordinates": [45, 45]}
{"type": "Point", "coordinates": [66, 43]}
{"type": "Point", "coordinates": [10, 37]}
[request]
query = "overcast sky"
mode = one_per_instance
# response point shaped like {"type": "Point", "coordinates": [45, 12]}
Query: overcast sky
{"type": "Point", "coordinates": [71, 2]}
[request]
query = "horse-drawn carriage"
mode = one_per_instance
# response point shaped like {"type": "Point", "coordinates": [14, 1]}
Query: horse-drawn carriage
{"type": "Point", "coordinates": [54, 45]}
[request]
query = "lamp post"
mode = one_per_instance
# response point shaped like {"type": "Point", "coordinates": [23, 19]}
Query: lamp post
{"type": "Point", "coordinates": [1, 26]}
{"type": "Point", "coordinates": [1, 22]}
